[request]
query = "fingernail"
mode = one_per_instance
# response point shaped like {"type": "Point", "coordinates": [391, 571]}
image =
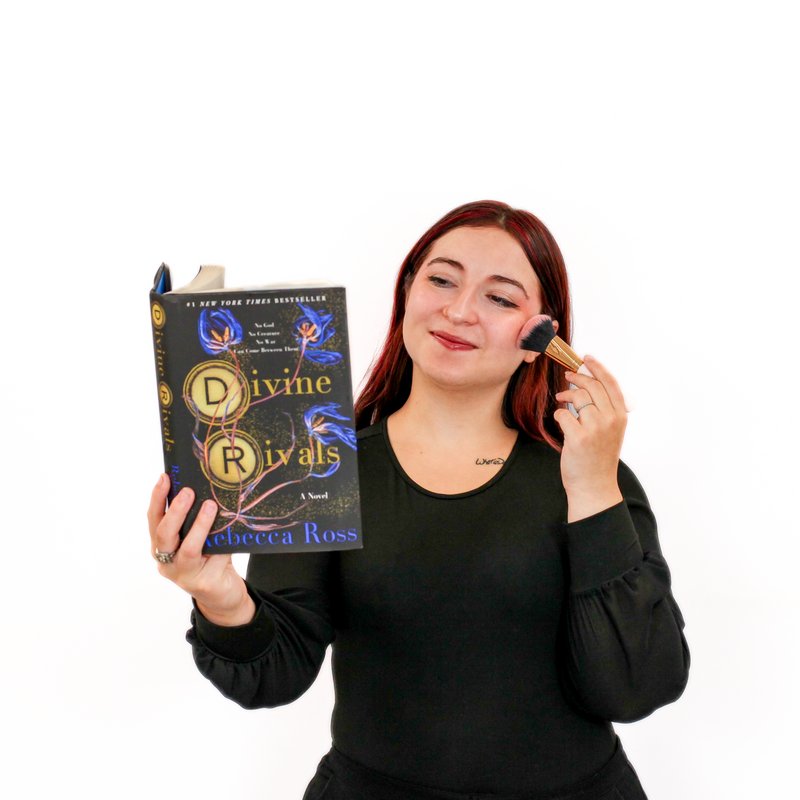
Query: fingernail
{"type": "Point", "coordinates": [209, 507]}
{"type": "Point", "coordinates": [160, 481]}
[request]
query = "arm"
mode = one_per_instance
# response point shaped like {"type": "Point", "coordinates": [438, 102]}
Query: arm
{"type": "Point", "coordinates": [261, 641]}
{"type": "Point", "coordinates": [274, 658]}
{"type": "Point", "coordinates": [624, 653]}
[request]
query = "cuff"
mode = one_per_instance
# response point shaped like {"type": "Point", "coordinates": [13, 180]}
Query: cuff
{"type": "Point", "coordinates": [238, 642]}
{"type": "Point", "coordinates": [602, 547]}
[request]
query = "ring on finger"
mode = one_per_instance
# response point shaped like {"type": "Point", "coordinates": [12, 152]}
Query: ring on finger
{"type": "Point", "coordinates": [164, 558]}
{"type": "Point", "coordinates": [578, 409]}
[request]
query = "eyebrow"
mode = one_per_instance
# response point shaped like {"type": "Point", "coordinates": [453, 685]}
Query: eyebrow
{"type": "Point", "coordinates": [499, 278]}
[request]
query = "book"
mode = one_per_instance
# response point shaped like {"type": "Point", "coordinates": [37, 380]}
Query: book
{"type": "Point", "coordinates": [256, 406]}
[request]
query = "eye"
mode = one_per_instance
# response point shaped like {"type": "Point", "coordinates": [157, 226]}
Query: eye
{"type": "Point", "coordinates": [503, 302]}
{"type": "Point", "coordinates": [438, 280]}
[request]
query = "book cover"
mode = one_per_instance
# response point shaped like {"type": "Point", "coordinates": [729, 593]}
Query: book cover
{"type": "Point", "coordinates": [256, 407]}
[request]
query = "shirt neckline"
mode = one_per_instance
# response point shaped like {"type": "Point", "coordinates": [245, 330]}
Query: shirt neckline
{"type": "Point", "coordinates": [422, 490]}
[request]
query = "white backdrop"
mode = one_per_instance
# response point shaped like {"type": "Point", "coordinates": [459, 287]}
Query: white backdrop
{"type": "Point", "coordinates": [318, 140]}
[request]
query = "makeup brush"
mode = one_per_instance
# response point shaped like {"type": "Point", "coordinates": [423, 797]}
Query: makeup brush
{"type": "Point", "coordinates": [539, 334]}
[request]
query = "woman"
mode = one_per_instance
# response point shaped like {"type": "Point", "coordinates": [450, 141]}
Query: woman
{"type": "Point", "coordinates": [511, 599]}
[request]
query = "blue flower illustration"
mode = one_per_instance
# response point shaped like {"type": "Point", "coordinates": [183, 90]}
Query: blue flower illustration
{"type": "Point", "coordinates": [314, 329]}
{"type": "Point", "coordinates": [218, 330]}
{"type": "Point", "coordinates": [320, 425]}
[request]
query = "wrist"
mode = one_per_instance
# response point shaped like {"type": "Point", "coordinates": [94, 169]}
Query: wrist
{"type": "Point", "coordinates": [240, 614]}
{"type": "Point", "coordinates": [586, 501]}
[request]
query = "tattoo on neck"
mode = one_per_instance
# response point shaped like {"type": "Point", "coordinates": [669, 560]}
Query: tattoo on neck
{"type": "Point", "coordinates": [481, 461]}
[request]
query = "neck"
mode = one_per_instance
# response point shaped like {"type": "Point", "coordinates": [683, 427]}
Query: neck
{"type": "Point", "coordinates": [451, 415]}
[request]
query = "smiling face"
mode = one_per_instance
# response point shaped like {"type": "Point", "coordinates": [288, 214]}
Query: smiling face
{"type": "Point", "coordinates": [469, 299]}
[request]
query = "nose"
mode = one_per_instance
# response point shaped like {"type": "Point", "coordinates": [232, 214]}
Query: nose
{"type": "Point", "coordinates": [462, 309]}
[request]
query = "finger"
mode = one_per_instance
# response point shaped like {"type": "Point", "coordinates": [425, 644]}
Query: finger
{"type": "Point", "coordinates": [580, 401]}
{"type": "Point", "coordinates": [608, 381]}
{"type": "Point", "coordinates": [155, 511]}
{"type": "Point", "coordinates": [575, 396]}
{"type": "Point", "coordinates": [190, 562]}
{"type": "Point", "coordinates": [566, 422]}
{"type": "Point", "coordinates": [594, 387]}
{"type": "Point", "coordinates": [167, 532]}
{"type": "Point", "coordinates": [195, 539]}
{"type": "Point", "coordinates": [191, 569]}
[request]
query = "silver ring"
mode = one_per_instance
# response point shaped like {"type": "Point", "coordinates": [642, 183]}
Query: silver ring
{"type": "Point", "coordinates": [578, 409]}
{"type": "Point", "coordinates": [164, 558]}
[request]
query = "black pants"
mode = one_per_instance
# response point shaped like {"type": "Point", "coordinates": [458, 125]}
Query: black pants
{"type": "Point", "coordinates": [340, 778]}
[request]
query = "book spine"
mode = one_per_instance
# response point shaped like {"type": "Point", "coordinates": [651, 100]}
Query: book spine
{"type": "Point", "coordinates": [168, 386]}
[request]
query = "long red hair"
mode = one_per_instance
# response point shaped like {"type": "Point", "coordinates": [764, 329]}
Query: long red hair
{"type": "Point", "coordinates": [529, 400]}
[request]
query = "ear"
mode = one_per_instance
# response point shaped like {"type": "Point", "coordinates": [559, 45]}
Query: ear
{"type": "Point", "coordinates": [555, 325]}
{"type": "Point", "coordinates": [530, 356]}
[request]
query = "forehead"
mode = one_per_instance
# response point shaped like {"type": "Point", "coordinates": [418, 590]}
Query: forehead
{"type": "Point", "coordinates": [486, 250]}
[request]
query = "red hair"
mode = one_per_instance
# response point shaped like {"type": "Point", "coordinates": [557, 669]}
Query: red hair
{"type": "Point", "coordinates": [529, 400]}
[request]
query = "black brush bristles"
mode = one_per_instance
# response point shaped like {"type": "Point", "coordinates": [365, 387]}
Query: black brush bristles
{"type": "Point", "coordinates": [537, 333]}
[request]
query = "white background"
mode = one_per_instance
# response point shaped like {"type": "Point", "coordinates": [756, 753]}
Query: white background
{"type": "Point", "coordinates": [319, 140]}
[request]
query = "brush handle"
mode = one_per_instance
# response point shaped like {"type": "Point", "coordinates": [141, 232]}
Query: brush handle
{"type": "Point", "coordinates": [582, 370]}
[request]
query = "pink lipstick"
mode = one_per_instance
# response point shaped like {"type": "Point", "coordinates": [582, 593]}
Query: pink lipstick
{"type": "Point", "coordinates": [452, 342]}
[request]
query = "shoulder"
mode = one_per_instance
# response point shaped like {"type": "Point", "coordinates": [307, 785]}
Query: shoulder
{"type": "Point", "coordinates": [371, 439]}
{"type": "Point", "coordinates": [370, 432]}
{"type": "Point", "coordinates": [541, 453]}
{"type": "Point", "coordinates": [536, 465]}
{"type": "Point", "coordinates": [370, 442]}
{"type": "Point", "coordinates": [536, 450]}
{"type": "Point", "coordinates": [374, 460]}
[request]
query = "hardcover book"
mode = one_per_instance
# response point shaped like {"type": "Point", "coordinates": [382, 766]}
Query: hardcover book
{"type": "Point", "coordinates": [256, 406]}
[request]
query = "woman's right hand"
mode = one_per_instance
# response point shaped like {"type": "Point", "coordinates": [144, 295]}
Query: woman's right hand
{"type": "Point", "coordinates": [219, 591]}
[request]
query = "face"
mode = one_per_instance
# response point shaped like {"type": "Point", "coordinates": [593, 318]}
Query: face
{"type": "Point", "coordinates": [471, 295]}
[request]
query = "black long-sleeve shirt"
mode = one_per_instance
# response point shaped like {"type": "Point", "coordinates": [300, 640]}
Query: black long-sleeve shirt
{"type": "Point", "coordinates": [480, 643]}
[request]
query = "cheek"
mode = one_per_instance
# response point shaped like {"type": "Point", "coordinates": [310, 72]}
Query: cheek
{"type": "Point", "coordinates": [419, 305]}
{"type": "Point", "coordinates": [532, 309]}
{"type": "Point", "coordinates": [506, 338]}
{"type": "Point", "coordinates": [414, 321]}
{"type": "Point", "coordinates": [533, 305]}
{"type": "Point", "coordinates": [505, 331]}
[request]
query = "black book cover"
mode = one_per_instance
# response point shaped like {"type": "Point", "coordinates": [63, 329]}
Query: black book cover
{"type": "Point", "coordinates": [256, 407]}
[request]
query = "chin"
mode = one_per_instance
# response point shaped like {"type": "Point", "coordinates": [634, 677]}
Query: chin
{"type": "Point", "coordinates": [460, 370]}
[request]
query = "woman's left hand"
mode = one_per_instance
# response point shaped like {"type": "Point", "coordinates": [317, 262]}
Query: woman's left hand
{"type": "Point", "coordinates": [593, 440]}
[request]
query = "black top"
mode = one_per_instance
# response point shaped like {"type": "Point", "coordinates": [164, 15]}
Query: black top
{"type": "Point", "coordinates": [480, 643]}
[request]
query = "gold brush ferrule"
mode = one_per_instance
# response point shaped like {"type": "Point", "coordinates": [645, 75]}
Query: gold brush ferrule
{"type": "Point", "coordinates": [560, 351]}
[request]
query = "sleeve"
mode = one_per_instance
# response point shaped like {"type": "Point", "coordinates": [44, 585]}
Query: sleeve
{"type": "Point", "coordinates": [624, 647]}
{"type": "Point", "coordinates": [276, 657]}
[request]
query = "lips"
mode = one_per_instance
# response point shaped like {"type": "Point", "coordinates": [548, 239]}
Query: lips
{"type": "Point", "coordinates": [452, 342]}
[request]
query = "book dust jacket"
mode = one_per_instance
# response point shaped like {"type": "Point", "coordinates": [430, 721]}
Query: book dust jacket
{"type": "Point", "coordinates": [256, 407]}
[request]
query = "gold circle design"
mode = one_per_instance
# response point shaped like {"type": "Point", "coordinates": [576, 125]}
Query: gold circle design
{"type": "Point", "coordinates": [217, 392]}
{"type": "Point", "coordinates": [158, 315]}
{"type": "Point", "coordinates": [232, 461]}
{"type": "Point", "coordinates": [164, 394]}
